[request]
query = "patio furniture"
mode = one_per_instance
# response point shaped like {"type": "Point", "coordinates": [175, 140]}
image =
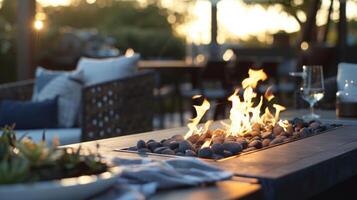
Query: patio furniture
{"type": "Point", "coordinates": [213, 83]}
{"type": "Point", "coordinates": [109, 109]}
{"type": "Point", "coordinates": [172, 73]}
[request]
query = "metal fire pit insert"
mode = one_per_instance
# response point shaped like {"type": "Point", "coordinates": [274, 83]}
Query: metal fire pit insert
{"type": "Point", "coordinates": [334, 127]}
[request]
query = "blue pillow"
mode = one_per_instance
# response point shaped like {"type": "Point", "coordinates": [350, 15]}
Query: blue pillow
{"type": "Point", "coordinates": [29, 115]}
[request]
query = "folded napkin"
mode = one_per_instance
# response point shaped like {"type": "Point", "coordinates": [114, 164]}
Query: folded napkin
{"type": "Point", "coordinates": [143, 177]}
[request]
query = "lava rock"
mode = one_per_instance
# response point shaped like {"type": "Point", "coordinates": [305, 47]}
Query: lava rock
{"type": "Point", "coordinates": [233, 147]}
{"type": "Point", "coordinates": [217, 148]}
{"type": "Point", "coordinates": [193, 138]}
{"type": "Point", "coordinates": [247, 135]}
{"type": "Point", "coordinates": [249, 149]}
{"type": "Point", "coordinates": [141, 144]}
{"type": "Point", "coordinates": [266, 134]}
{"type": "Point", "coordinates": [178, 138]}
{"type": "Point", "coordinates": [185, 145]}
{"type": "Point", "coordinates": [255, 133]}
{"type": "Point", "coordinates": [255, 138]}
{"type": "Point", "coordinates": [159, 149]}
{"type": "Point", "coordinates": [227, 153]}
{"type": "Point", "coordinates": [286, 134]}
{"type": "Point", "coordinates": [289, 129]}
{"type": "Point", "coordinates": [298, 123]}
{"type": "Point", "coordinates": [173, 145]}
{"type": "Point", "coordinates": [168, 152]}
{"type": "Point", "coordinates": [144, 150]}
{"type": "Point", "coordinates": [277, 130]}
{"type": "Point", "coordinates": [266, 142]}
{"type": "Point", "coordinates": [205, 152]}
{"type": "Point", "coordinates": [256, 127]}
{"type": "Point", "coordinates": [151, 140]}
{"type": "Point", "coordinates": [190, 153]}
{"type": "Point", "coordinates": [255, 143]}
{"type": "Point", "coordinates": [163, 141]}
{"type": "Point", "coordinates": [153, 145]}
{"type": "Point", "coordinates": [277, 140]}
{"type": "Point", "coordinates": [230, 138]}
{"type": "Point", "coordinates": [314, 125]}
{"type": "Point", "coordinates": [243, 142]}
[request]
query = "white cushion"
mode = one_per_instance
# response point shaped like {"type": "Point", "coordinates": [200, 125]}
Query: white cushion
{"type": "Point", "coordinates": [65, 136]}
{"type": "Point", "coordinates": [67, 87]}
{"type": "Point", "coordinates": [346, 71]}
{"type": "Point", "coordinates": [108, 69]}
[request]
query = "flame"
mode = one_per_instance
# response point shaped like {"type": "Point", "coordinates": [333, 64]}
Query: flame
{"type": "Point", "coordinates": [207, 143]}
{"type": "Point", "coordinates": [254, 77]}
{"type": "Point", "coordinates": [246, 111]}
{"type": "Point", "coordinates": [200, 111]}
{"type": "Point", "coordinates": [269, 93]}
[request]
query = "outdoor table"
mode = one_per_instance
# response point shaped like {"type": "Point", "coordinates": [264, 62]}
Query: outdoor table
{"type": "Point", "coordinates": [294, 170]}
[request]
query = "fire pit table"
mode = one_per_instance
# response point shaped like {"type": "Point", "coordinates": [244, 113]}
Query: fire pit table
{"type": "Point", "coordinates": [293, 170]}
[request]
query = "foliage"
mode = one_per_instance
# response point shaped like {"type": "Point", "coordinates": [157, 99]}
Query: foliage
{"type": "Point", "coordinates": [145, 29]}
{"type": "Point", "coordinates": [22, 160]}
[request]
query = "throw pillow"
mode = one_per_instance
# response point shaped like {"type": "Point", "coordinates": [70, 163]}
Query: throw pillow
{"type": "Point", "coordinates": [67, 86]}
{"type": "Point", "coordinates": [103, 70]}
{"type": "Point", "coordinates": [29, 115]}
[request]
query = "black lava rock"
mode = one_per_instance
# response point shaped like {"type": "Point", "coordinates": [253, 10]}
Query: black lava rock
{"type": "Point", "coordinates": [243, 142]}
{"type": "Point", "coordinates": [190, 153]}
{"type": "Point", "coordinates": [173, 145]}
{"type": "Point", "coordinates": [297, 122]}
{"type": "Point", "coordinates": [178, 138]}
{"type": "Point", "coordinates": [205, 152]}
{"type": "Point", "coordinates": [168, 152]}
{"type": "Point", "coordinates": [185, 145]}
{"type": "Point", "coordinates": [153, 145]}
{"type": "Point", "coordinates": [256, 143]}
{"type": "Point", "coordinates": [217, 148]}
{"type": "Point", "coordinates": [233, 147]}
{"type": "Point", "coordinates": [227, 153]}
{"type": "Point", "coordinates": [159, 149]}
{"type": "Point", "coordinates": [141, 144]}
{"type": "Point", "coordinates": [194, 138]}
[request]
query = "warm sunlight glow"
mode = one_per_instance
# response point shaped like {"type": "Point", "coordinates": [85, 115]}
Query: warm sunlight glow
{"type": "Point", "coordinates": [46, 3]}
{"type": "Point", "coordinates": [38, 25]}
{"type": "Point", "coordinates": [304, 46]}
{"type": "Point", "coordinates": [91, 1]}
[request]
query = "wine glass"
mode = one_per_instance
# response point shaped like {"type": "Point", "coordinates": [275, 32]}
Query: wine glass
{"type": "Point", "coordinates": [312, 89]}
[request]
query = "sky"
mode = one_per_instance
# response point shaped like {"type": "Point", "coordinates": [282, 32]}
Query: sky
{"type": "Point", "coordinates": [235, 18]}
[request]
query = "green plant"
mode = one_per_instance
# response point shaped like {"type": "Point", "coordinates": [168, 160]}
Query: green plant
{"type": "Point", "coordinates": [22, 160]}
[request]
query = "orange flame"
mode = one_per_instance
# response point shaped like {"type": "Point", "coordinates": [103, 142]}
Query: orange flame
{"type": "Point", "coordinates": [245, 112]}
{"type": "Point", "coordinates": [200, 111]}
{"type": "Point", "coordinates": [254, 77]}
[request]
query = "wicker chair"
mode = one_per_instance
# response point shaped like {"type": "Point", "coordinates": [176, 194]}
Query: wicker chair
{"type": "Point", "coordinates": [114, 108]}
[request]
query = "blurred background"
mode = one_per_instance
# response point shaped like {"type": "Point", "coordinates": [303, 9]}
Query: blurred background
{"type": "Point", "coordinates": [277, 35]}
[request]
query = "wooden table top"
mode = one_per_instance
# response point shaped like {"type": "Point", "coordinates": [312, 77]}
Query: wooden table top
{"type": "Point", "coordinates": [297, 170]}
{"type": "Point", "coordinates": [237, 188]}
{"type": "Point", "coordinates": [167, 64]}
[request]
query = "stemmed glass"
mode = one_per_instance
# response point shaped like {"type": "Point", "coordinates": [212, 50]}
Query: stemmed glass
{"type": "Point", "coordinates": [312, 88]}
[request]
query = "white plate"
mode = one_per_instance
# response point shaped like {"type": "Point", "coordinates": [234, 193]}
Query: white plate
{"type": "Point", "coordinates": [69, 188]}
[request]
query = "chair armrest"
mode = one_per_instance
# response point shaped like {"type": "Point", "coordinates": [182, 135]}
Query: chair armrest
{"type": "Point", "coordinates": [118, 107]}
{"type": "Point", "coordinates": [21, 90]}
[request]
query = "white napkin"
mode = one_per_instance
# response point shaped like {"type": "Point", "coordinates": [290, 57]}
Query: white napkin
{"type": "Point", "coordinates": [143, 177]}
